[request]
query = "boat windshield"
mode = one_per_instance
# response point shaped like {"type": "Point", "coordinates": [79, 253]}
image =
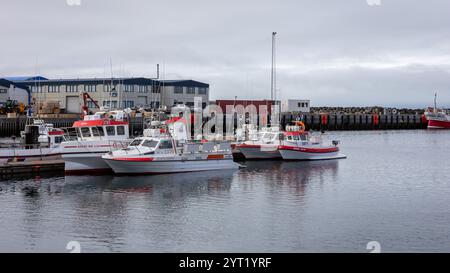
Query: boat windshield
{"type": "Point", "coordinates": [136, 142]}
{"type": "Point", "coordinates": [267, 137]}
{"type": "Point", "coordinates": [150, 143]}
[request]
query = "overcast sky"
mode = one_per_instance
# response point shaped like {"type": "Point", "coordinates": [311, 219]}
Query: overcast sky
{"type": "Point", "coordinates": [334, 52]}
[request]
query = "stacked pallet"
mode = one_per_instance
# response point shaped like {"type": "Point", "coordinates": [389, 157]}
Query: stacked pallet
{"type": "Point", "coordinates": [49, 107]}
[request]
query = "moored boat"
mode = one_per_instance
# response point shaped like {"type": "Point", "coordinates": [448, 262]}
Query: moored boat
{"type": "Point", "coordinates": [163, 151]}
{"type": "Point", "coordinates": [87, 140]}
{"type": "Point", "coordinates": [263, 146]}
{"type": "Point", "coordinates": [301, 145]}
{"type": "Point", "coordinates": [39, 141]}
{"type": "Point", "coordinates": [437, 118]}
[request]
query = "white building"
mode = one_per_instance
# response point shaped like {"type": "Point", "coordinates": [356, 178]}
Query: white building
{"type": "Point", "coordinates": [296, 106]}
{"type": "Point", "coordinates": [116, 93]}
{"type": "Point", "coordinates": [13, 91]}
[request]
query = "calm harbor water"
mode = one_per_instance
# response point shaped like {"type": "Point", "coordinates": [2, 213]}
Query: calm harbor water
{"type": "Point", "coordinates": [394, 188]}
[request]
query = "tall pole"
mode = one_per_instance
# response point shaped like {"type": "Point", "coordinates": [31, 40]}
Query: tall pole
{"type": "Point", "coordinates": [273, 77]}
{"type": "Point", "coordinates": [435, 102]}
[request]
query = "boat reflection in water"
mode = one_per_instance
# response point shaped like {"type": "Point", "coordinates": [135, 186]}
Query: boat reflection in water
{"type": "Point", "coordinates": [177, 185]}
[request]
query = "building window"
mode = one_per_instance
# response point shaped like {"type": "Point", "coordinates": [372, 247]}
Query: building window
{"type": "Point", "coordinates": [36, 89]}
{"type": "Point", "coordinates": [156, 89]}
{"type": "Point", "coordinates": [71, 88]}
{"type": "Point", "coordinates": [107, 88]}
{"type": "Point", "coordinates": [90, 88]}
{"type": "Point", "coordinates": [178, 90]}
{"type": "Point", "coordinates": [191, 90]}
{"type": "Point", "coordinates": [202, 91]}
{"type": "Point", "coordinates": [91, 105]}
{"type": "Point", "coordinates": [154, 104]}
{"type": "Point", "coordinates": [53, 88]}
{"type": "Point", "coordinates": [143, 89]}
{"type": "Point", "coordinates": [128, 104]}
{"type": "Point", "coordinates": [111, 104]}
{"type": "Point", "coordinates": [129, 88]}
{"type": "Point", "coordinates": [3, 91]}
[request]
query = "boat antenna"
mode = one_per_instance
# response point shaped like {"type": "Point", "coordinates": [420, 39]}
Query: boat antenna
{"type": "Point", "coordinates": [112, 83]}
{"type": "Point", "coordinates": [273, 88]}
{"type": "Point", "coordinates": [435, 102]}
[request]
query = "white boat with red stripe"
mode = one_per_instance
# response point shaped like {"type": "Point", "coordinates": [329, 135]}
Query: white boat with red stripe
{"type": "Point", "coordinates": [301, 145]}
{"type": "Point", "coordinates": [39, 141]}
{"type": "Point", "coordinates": [87, 140]}
{"type": "Point", "coordinates": [263, 146]}
{"type": "Point", "coordinates": [158, 153]}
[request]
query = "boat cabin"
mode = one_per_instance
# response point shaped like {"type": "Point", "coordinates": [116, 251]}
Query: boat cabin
{"type": "Point", "coordinates": [101, 125]}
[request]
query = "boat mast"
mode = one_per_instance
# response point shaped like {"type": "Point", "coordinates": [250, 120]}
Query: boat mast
{"type": "Point", "coordinates": [112, 84]}
{"type": "Point", "coordinates": [273, 88]}
{"type": "Point", "coordinates": [435, 102]}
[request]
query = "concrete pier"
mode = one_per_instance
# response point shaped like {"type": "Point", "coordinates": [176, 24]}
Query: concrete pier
{"type": "Point", "coordinates": [31, 168]}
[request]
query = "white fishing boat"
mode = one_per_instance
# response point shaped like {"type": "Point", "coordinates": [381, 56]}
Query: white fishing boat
{"type": "Point", "coordinates": [298, 144]}
{"type": "Point", "coordinates": [167, 150]}
{"type": "Point", "coordinates": [87, 140]}
{"type": "Point", "coordinates": [39, 141]}
{"type": "Point", "coordinates": [264, 144]}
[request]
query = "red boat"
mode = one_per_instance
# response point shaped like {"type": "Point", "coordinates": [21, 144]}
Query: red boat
{"type": "Point", "coordinates": [437, 118]}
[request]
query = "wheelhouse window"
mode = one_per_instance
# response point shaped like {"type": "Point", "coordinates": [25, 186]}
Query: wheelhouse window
{"type": "Point", "coordinates": [165, 144]}
{"type": "Point", "coordinates": [97, 131]}
{"type": "Point", "coordinates": [110, 131]}
{"type": "Point", "coordinates": [120, 130]}
{"type": "Point", "coordinates": [59, 140]}
{"type": "Point", "coordinates": [85, 132]}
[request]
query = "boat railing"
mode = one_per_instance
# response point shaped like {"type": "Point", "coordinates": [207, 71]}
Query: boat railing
{"type": "Point", "coordinates": [207, 147]}
{"type": "Point", "coordinates": [22, 146]}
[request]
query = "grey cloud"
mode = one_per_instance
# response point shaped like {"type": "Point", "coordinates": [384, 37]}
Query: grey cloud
{"type": "Point", "coordinates": [334, 52]}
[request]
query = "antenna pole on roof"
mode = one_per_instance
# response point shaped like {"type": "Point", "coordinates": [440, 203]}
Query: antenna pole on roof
{"type": "Point", "coordinates": [112, 84]}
